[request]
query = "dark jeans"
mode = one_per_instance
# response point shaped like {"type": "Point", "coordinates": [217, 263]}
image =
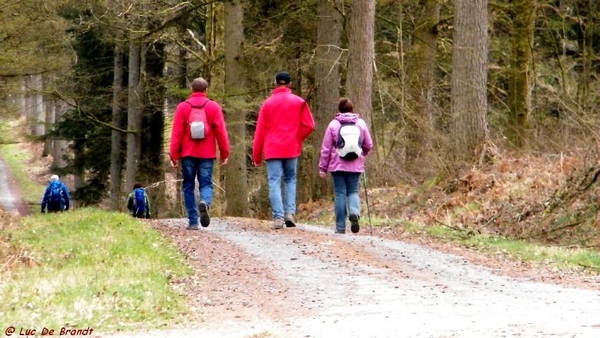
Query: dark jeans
{"type": "Point", "coordinates": [55, 207]}
{"type": "Point", "coordinates": [201, 170]}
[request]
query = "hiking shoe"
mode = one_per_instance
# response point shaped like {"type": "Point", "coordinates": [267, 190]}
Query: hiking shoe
{"type": "Point", "coordinates": [192, 227]}
{"type": "Point", "coordinates": [354, 227]}
{"type": "Point", "coordinates": [340, 231]}
{"type": "Point", "coordinates": [289, 220]}
{"type": "Point", "coordinates": [204, 218]}
{"type": "Point", "coordinates": [278, 223]}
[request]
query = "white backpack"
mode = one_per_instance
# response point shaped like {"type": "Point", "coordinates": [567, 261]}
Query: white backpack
{"type": "Point", "coordinates": [349, 142]}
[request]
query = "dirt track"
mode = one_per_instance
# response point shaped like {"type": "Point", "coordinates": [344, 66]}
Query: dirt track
{"type": "Point", "coordinates": [252, 281]}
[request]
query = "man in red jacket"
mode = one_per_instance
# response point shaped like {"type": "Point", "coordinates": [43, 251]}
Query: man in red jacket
{"type": "Point", "coordinates": [196, 155]}
{"type": "Point", "coordinates": [284, 122]}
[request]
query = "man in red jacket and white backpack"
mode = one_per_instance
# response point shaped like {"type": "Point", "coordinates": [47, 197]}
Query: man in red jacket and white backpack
{"type": "Point", "coordinates": [198, 127]}
{"type": "Point", "coordinates": [284, 122]}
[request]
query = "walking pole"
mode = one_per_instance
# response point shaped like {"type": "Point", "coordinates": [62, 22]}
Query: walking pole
{"type": "Point", "coordinates": [367, 200]}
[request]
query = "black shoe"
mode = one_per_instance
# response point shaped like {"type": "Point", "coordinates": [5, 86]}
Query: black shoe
{"type": "Point", "coordinates": [338, 231]}
{"type": "Point", "coordinates": [204, 218]}
{"type": "Point", "coordinates": [192, 227]}
{"type": "Point", "coordinates": [354, 227]}
{"type": "Point", "coordinates": [289, 220]}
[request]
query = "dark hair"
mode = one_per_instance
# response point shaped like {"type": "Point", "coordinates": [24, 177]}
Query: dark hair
{"type": "Point", "coordinates": [345, 105]}
{"type": "Point", "coordinates": [137, 185]}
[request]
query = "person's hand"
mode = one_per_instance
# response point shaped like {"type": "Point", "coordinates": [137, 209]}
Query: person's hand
{"type": "Point", "coordinates": [175, 164]}
{"type": "Point", "coordinates": [257, 164]}
{"type": "Point", "coordinates": [322, 174]}
{"type": "Point", "coordinates": [224, 162]}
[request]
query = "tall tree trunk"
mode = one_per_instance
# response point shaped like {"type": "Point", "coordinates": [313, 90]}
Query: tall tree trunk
{"type": "Point", "coordinates": [236, 191]}
{"type": "Point", "coordinates": [59, 149]}
{"type": "Point", "coordinates": [118, 120]}
{"type": "Point", "coordinates": [48, 118]}
{"type": "Point", "coordinates": [37, 105]}
{"type": "Point", "coordinates": [151, 164]}
{"type": "Point", "coordinates": [469, 78]}
{"type": "Point", "coordinates": [587, 10]}
{"type": "Point", "coordinates": [361, 58]}
{"type": "Point", "coordinates": [422, 78]}
{"type": "Point", "coordinates": [134, 114]}
{"type": "Point", "coordinates": [327, 74]}
{"type": "Point", "coordinates": [359, 82]}
{"type": "Point", "coordinates": [519, 98]}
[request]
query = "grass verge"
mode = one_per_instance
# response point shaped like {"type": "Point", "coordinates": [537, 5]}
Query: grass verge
{"type": "Point", "coordinates": [90, 268]}
{"type": "Point", "coordinates": [553, 256]}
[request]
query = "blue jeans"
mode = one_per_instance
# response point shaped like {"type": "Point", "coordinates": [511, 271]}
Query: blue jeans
{"type": "Point", "coordinates": [192, 168]}
{"type": "Point", "coordinates": [345, 188]}
{"type": "Point", "coordinates": [276, 170]}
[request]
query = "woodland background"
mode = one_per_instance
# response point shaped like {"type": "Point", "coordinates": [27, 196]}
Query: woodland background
{"type": "Point", "coordinates": [455, 92]}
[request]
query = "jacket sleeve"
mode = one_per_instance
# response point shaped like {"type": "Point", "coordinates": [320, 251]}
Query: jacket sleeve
{"type": "Point", "coordinates": [259, 135]}
{"type": "Point", "coordinates": [307, 122]}
{"type": "Point", "coordinates": [177, 132]}
{"type": "Point", "coordinates": [326, 149]}
{"type": "Point", "coordinates": [367, 140]}
{"type": "Point", "coordinates": [220, 130]}
{"type": "Point", "coordinates": [66, 196]}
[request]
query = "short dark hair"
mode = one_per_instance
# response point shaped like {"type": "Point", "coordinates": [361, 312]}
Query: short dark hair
{"type": "Point", "coordinates": [345, 105]}
{"type": "Point", "coordinates": [199, 85]}
{"type": "Point", "coordinates": [137, 185]}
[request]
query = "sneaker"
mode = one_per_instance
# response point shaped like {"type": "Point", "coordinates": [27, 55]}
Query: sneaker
{"type": "Point", "coordinates": [354, 227]}
{"type": "Point", "coordinates": [278, 223]}
{"type": "Point", "coordinates": [192, 227]}
{"type": "Point", "coordinates": [338, 231]}
{"type": "Point", "coordinates": [289, 220]}
{"type": "Point", "coordinates": [204, 218]}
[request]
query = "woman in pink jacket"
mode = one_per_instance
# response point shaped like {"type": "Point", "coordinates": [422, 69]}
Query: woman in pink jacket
{"type": "Point", "coordinates": [345, 144]}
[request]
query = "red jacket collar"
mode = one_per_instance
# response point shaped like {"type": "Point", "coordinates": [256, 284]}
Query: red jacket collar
{"type": "Point", "coordinates": [282, 89]}
{"type": "Point", "coordinates": [198, 94]}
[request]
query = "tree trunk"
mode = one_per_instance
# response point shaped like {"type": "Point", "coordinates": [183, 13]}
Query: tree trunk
{"type": "Point", "coordinates": [59, 145]}
{"type": "Point", "coordinates": [134, 114]}
{"type": "Point", "coordinates": [422, 78]}
{"type": "Point", "coordinates": [361, 56]}
{"type": "Point", "coordinates": [118, 121]}
{"type": "Point", "coordinates": [37, 106]}
{"type": "Point", "coordinates": [236, 191]}
{"type": "Point", "coordinates": [152, 172]}
{"type": "Point", "coordinates": [49, 119]}
{"type": "Point", "coordinates": [327, 92]}
{"type": "Point", "coordinates": [469, 78]}
{"type": "Point", "coordinates": [519, 98]}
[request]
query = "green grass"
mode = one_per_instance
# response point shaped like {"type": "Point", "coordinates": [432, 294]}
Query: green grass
{"type": "Point", "coordinates": [97, 269]}
{"type": "Point", "coordinates": [559, 257]}
{"type": "Point", "coordinates": [17, 160]}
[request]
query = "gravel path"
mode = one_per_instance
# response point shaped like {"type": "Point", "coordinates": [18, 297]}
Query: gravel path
{"type": "Point", "coordinates": [308, 282]}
